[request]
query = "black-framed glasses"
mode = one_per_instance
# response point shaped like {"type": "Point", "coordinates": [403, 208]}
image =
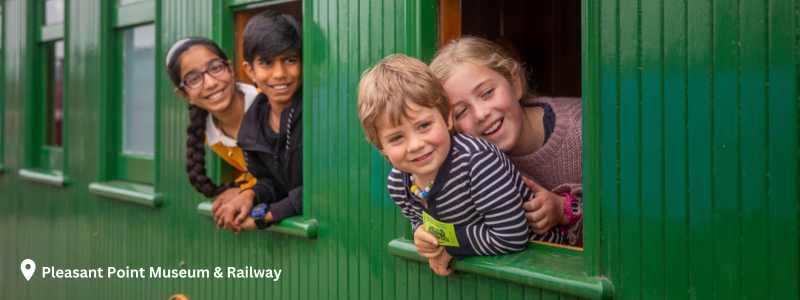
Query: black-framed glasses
{"type": "Point", "coordinates": [196, 79]}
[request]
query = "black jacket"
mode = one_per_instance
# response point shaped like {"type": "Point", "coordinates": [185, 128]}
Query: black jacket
{"type": "Point", "coordinates": [276, 159]}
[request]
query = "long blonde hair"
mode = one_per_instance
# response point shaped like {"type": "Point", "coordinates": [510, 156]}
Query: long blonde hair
{"type": "Point", "coordinates": [479, 52]}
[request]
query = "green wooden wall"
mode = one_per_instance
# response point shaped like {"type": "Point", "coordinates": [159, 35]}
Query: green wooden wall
{"type": "Point", "coordinates": [691, 157]}
{"type": "Point", "coordinates": [698, 148]}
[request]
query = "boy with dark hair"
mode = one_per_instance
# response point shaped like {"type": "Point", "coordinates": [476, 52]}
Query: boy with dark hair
{"type": "Point", "coordinates": [271, 134]}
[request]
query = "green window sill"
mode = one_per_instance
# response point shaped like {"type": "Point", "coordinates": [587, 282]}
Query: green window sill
{"type": "Point", "coordinates": [127, 191]}
{"type": "Point", "coordinates": [48, 177]}
{"type": "Point", "coordinates": [539, 266]}
{"type": "Point", "coordinates": [294, 226]}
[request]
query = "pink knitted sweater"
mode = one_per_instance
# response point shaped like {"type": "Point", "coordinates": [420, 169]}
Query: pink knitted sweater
{"type": "Point", "coordinates": [557, 164]}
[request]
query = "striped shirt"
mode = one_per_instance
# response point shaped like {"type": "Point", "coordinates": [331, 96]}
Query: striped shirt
{"type": "Point", "coordinates": [480, 192]}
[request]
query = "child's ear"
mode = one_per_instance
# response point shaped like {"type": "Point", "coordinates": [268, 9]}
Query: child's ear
{"type": "Point", "coordinates": [248, 69]}
{"type": "Point", "coordinates": [450, 122]}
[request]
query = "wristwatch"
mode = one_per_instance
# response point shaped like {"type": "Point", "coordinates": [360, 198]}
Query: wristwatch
{"type": "Point", "coordinates": [258, 213]}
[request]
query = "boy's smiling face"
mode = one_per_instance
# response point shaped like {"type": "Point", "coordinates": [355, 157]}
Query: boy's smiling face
{"type": "Point", "coordinates": [419, 144]}
{"type": "Point", "coordinates": [278, 78]}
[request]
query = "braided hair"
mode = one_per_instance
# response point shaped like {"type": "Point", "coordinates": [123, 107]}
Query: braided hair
{"type": "Point", "coordinates": [196, 131]}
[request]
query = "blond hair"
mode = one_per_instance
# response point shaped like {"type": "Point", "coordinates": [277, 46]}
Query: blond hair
{"type": "Point", "coordinates": [388, 87]}
{"type": "Point", "coordinates": [479, 52]}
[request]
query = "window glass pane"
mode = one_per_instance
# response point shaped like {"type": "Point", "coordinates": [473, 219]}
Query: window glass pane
{"type": "Point", "coordinates": [53, 12]}
{"type": "Point", "coordinates": [138, 90]}
{"type": "Point", "coordinates": [54, 99]}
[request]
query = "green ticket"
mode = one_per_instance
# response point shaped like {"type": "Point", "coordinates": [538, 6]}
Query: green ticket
{"type": "Point", "coordinates": [444, 232]}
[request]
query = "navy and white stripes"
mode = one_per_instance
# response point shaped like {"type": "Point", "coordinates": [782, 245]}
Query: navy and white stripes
{"type": "Point", "coordinates": [478, 190]}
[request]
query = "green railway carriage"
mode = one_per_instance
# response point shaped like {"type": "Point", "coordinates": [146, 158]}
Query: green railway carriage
{"type": "Point", "coordinates": [691, 151]}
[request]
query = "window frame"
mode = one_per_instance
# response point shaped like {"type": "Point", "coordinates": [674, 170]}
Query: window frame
{"type": "Point", "coordinates": [121, 176]}
{"type": "Point", "coordinates": [129, 167]}
{"type": "Point", "coordinates": [41, 162]}
{"type": "Point", "coordinates": [302, 226]}
{"type": "Point", "coordinates": [580, 273]}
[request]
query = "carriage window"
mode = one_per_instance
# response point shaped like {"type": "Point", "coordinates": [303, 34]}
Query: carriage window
{"type": "Point", "coordinates": [138, 109]}
{"type": "Point", "coordinates": [54, 112]}
{"type": "Point", "coordinates": [136, 97]}
{"type": "Point", "coordinates": [232, 36]}
{"type": "Point", "coordinates": [544, 35]}
{"type": "Point", "coordinates": [44, 163]}
{"type": "Point", "coordinates": [129, 134]}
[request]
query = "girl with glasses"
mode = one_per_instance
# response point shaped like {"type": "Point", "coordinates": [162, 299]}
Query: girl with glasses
{"type": "Point", "coordinates": [203, 77]}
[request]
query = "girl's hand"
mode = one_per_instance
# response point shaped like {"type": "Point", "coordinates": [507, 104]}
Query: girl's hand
{"type": "Point", "coordinates": [426, 243]}
{"type": "Point", "coordinates": [440, 264]}
{"type": "Point", "coordinates": [235, 211]}
{"type": "Point", "coordinates": [545, 210]}
{"type": "Point", "coordinates": [223, 198]}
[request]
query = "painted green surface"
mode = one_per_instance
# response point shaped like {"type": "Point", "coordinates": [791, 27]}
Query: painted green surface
{"type": "Point", "coordinates": [699, 148]}
{"type": "Point", "coordinates": [693, 180]}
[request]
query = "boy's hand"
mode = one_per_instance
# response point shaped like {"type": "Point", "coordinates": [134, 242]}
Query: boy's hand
{"type": "Point", "coordinates": [440, 264]}
{"type": "Point", "coordinates": [233, 213]}
{"type": "Point", "coordinates": [545, 210]}
{"type": "Point", "coordinates": [223, 198]}
{"type": "Point", "coordinates": [426, 243]}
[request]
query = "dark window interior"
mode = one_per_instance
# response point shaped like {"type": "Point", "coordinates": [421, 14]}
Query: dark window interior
{"type": "Point", "coordinates": [544, 34]}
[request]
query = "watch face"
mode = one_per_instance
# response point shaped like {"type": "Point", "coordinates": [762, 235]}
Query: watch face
{"type": "Point", "coordinates": [259, 211]}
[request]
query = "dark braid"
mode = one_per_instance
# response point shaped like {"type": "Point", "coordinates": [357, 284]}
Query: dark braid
{"type": "Point", "coordinates": [196, 155]}
{"type": "Point", "coordinates": [196, 132]}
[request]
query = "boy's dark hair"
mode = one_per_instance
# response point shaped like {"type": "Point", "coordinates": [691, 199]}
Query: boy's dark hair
{"type": "Point", "coordinates": [269, 34]}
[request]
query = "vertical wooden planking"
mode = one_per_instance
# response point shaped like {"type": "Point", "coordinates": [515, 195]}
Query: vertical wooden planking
{"type": "Point", "coordinates": [753, 142]}
{"type": "Point", "coordinates": [609, 136]}
{"type": "Point", "coordinates": [652, 149]}
{"type": "Point", "coordinates": [699, 141]}
{"type": "Point", "coordinates": [782, 153]}
{"type": "Point", "coordinates": [675, 145]}
{"type": "Point", "coordinates": [630, 149]}
{"type": "Point", "coordinates": [725, 164]}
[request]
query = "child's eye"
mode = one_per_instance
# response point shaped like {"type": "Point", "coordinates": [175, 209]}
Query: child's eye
{"type": "Point", "coordinates": [265, 62]}
{"type": "Point", "coordinates": [488, 93]}
{"type": "Point", "coordinates": [459, 111]}
{"type": "Point", "coordinates": [394, 139]}
{"type": "Point", "coordinates": [424, 125]}
{"type": "Point", "coordinates": [291, 60]}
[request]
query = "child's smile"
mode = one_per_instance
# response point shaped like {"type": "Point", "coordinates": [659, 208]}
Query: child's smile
{"type": "Point", "coordinates": [278, 78]}
{"type": "Point", "coordinates": [418, 144]}
{"type": "Point", "coordinates": [485, 105]}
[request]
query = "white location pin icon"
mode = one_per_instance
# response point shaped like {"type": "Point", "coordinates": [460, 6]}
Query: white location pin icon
{"type": "Point", "coordinates": [28, 267]}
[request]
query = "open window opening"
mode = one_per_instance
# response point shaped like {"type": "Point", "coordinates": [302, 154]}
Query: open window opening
{"type": "Point", "coordinates": [544, 35]}
{"type": "Point", "coordinates": [234, 21]}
